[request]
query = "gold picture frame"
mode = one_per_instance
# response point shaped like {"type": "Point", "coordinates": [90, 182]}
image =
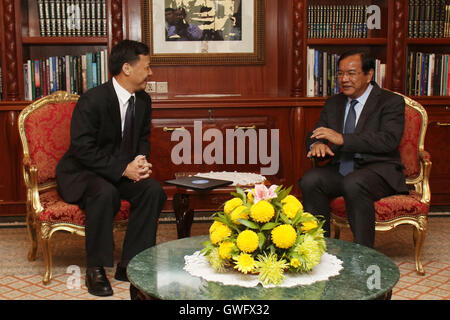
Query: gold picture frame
{"type": "Point", "coordinates": [205, 32]}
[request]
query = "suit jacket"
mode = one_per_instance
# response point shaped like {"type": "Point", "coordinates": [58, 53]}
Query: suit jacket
{"type": "Point", "coordinates": [95, 138]}
{"type": "Point", "coordinates": [376, 137]}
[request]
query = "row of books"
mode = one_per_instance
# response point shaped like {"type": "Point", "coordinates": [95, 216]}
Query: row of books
{"type": "Point", "coordinates": [75, 74]}
{"type": "Point", "coordinates": [76, 18]}
{"type": "Point", "coordinates": [429, 19]}
{"type": "Point", "coordinates": [337, 21]}
{"type": "Point", "coordinates": [428, 74]}
{"type": "Point", "coordinates": [321, 77]}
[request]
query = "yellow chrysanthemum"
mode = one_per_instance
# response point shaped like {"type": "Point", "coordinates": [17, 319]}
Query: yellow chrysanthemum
{"type": "Point", "coordinates": [219, 234]}
{"type": "Point", "coordinates": [309, 253]}
{"type": "Point", "coordinates": [295, 262]}
{"type": "Point", "coordinates": [230, 205]}
{"type": "Point", "coordinates": [309, 225]}
{"type": "Point", "coordinates": [247, 241]}
{"type": "Point", "coordinates": [307, 215]}
{"type": "Point", "coordinates": [291, 206]}
{"type": "Point", "coordinates": [290, 210]}
{"type": "Point", "coordinates": [225, 249]}
{"type": "Point", "coordinates": [284, 236]}
{"type": "Point", "coordinates": [291, 199]}
{"type": "Point", "coordinates": [250, 196]}
{"type": "Point", "coordinates": [214, 226]}
{"type": "Point", "coordinates": [262, 211]}
{"type": "Point", "coordinates": [239, 213]}
{"type": "Point", "coordinates": [271, 270]}
{"type": "Point", "coordinates": [216, 262]}
{"type": "Point", "coordinates": [245, 263]}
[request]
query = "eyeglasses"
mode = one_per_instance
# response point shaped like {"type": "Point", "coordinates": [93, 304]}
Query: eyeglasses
{"type": "Point", "coordinates": [350, 74]}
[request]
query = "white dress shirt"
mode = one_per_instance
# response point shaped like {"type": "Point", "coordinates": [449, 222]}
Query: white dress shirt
{"type": "Point", "coordinates": [124, 97]}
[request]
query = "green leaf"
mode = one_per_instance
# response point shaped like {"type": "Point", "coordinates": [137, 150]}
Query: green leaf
{"type": "Point", "coordinates": [284, 193]}
{"type": "Point", "coordinates": [285, 219]}
{"type": "Point", "coordinates": [208, 246]}
{"type": "Point", "coordinates": [249, 224]}
{"type": "Point", "coordinates": [297, 218]}
{"type": "Point", "coordinates": [262, 239]}
{"type": "Point", "coordinates": [225, 219]}
{"type": "Point", "coordinates": [269, 226]}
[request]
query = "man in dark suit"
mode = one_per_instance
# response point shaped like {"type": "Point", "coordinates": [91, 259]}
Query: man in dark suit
{"type": "Point", "coordinates": [360, 130]}
{"type": "Point", "coordinates": [107, 161]}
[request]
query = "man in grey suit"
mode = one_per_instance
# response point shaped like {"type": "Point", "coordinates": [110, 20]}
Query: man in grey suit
{"type": "Point", "coordinates": [360, 130]}
{"type": "Point", "coordinates": [107, 162]}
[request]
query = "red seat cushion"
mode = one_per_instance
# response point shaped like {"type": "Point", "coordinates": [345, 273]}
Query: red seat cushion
{"type": "Point", "coordinates": [388, 208]}
{"type": "Point", "coordinates": [56, 210]}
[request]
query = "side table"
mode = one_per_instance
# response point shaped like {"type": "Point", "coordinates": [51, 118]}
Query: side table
{"type": "Point", "coordinates": [184, 213]}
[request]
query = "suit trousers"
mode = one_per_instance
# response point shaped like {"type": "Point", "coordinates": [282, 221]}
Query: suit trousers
{"type": "Point", "coordinates": [101, 202]}
{"type": "Point", "coordinates": [360, 189]}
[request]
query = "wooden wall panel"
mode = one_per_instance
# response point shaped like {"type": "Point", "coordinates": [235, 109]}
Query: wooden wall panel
{"type": "Point", "coordinates": [247, 80]}
{"type": "Point", "coordinates": [12, 190]}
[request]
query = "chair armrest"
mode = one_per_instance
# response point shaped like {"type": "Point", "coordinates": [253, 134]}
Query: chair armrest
{"type": "Point", "coordinates": [425, 162]}
{"type": "Point", "coordinates": [424, 156]}
{"type": "Point", "coordinates": [30, 174]}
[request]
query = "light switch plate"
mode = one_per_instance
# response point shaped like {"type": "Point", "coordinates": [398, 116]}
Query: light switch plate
{"type": "Point", "coordinates": [162, 87]}
{"type": "Point", "coordinates": [151, 87]}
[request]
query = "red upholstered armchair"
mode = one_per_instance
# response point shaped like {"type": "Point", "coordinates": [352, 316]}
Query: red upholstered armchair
{"type": "Point", "coordinates": [403, 209]}
{"type": "Point", "coordinates": [44, 128]}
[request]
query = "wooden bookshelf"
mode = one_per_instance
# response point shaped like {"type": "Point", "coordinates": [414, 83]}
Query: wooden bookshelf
{"type": "Point", "coordinates": [281, 80]}
{"type": "Point", "coordinates": [348, 42]}
{"type": "Point", "coordinates": [37, 40]}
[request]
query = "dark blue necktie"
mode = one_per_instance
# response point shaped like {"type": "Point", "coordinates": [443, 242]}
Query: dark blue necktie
{"type": "Point", "coordinates": [347, 163]}
{"type": "Point", "coordinates": [126, 147]}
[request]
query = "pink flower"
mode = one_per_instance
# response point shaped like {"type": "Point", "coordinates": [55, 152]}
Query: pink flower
{"type": "Point", "coordinates": [261, 192]}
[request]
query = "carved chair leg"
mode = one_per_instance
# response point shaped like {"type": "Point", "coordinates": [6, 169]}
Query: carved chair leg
{"type": "Point", "coordinates": [419, 237]}
{"type": "Point", "coordinates": [32, 235]}
{"type": "Point", "coordinates": [46, 250]}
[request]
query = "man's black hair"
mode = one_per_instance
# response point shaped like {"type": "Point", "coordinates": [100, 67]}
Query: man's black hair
{"type": "Point", "coordinates": [126, 51]}
{"type": "Point", "coordinates": [367, 61]}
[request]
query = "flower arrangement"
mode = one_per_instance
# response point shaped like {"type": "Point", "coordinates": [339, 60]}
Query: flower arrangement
{"type": "Point", "coordinates": [266, 232]}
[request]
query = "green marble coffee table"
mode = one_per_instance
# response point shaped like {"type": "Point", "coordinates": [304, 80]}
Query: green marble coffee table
{"type": "Point", "coordinates": [157, 273]}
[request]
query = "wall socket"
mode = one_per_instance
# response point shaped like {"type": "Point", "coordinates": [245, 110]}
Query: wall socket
{"type": "Point", "coordinates": [162, 87]}
{"type": "Point", "coordinates": [151, 87]}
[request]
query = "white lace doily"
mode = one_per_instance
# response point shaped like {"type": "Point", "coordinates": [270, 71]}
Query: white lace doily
{"type": "Point", "coordinates": [197, 265]}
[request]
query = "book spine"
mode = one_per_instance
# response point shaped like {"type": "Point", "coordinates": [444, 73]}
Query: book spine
{"type": "Point", "coordinates": [310, 73]}
{"type": "Point", "coordinates": [89, 70]}
{"type": "Point", "coordinates": [52, 18]}
{"type": "Point", "coordinates": [47, 24]}
{"type": "Point", "coordinates": [41, 18]}
{"type": "Point", "coordinates": [58, 21]}
{"type": "Point", "coordinates": [30, 81]}
{"type": "Point", "coordinates": [83, 26]}
{"type": "Point", "coordinates": [99, 20]}
{"type": "Point", "coordinates": [84, 73]}
{"type": "Point", "coordinates": [25, 81]}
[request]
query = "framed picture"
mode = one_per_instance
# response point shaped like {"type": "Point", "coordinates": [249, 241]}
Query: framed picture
{"type": "Point", "coordinates": [204, 32]}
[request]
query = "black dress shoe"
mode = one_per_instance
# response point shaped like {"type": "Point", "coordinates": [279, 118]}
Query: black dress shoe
{"type": "Point", "coordinates": [97, 282]}
{"type": "Point", "coordinates": [121, 273]}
